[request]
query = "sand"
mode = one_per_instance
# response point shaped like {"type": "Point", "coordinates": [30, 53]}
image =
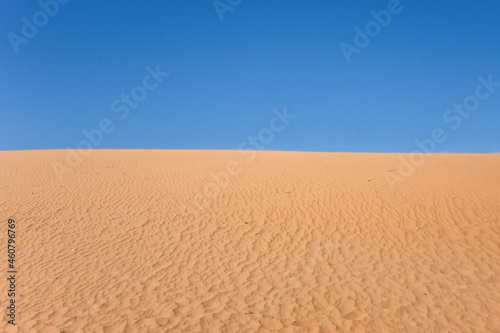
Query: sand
{"type": "Point", "coordinates": [220, 241]}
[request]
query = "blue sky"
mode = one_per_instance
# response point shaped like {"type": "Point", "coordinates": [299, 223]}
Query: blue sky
{"type": "Point", "coordinates": [226, 76]}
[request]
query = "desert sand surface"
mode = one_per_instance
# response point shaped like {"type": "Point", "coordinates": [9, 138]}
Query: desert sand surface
{"type": "Point", "coordinates": [225, 241]}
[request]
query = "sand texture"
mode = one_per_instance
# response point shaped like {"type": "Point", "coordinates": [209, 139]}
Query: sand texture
{"type": "Point", "coordinates": [220, 241]}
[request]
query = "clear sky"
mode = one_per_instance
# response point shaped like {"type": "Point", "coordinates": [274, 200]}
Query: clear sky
{"type": "Point", "coordinates": [232, 63]}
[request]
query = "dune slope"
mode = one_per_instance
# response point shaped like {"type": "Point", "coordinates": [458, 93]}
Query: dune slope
{"type": "Point", "coordinates": [222, 241]}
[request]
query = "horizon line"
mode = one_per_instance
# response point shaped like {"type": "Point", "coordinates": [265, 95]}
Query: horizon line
{"type": "Point", "coordinates": [257, 150]}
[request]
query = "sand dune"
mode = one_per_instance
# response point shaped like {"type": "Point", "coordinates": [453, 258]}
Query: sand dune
{"type": "Point", "coordinates": [219, 241]}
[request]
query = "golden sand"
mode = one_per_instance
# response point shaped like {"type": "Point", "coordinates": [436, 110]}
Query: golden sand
{"type": "Point", "coordinates": [219, 241]}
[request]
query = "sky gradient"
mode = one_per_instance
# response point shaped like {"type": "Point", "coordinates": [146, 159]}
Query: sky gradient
{"type": "Point", "coordinates": [227, 76]}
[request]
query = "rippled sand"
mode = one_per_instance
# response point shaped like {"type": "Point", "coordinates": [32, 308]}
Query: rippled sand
{"type": "Point", "coordinates": [220, 241]}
